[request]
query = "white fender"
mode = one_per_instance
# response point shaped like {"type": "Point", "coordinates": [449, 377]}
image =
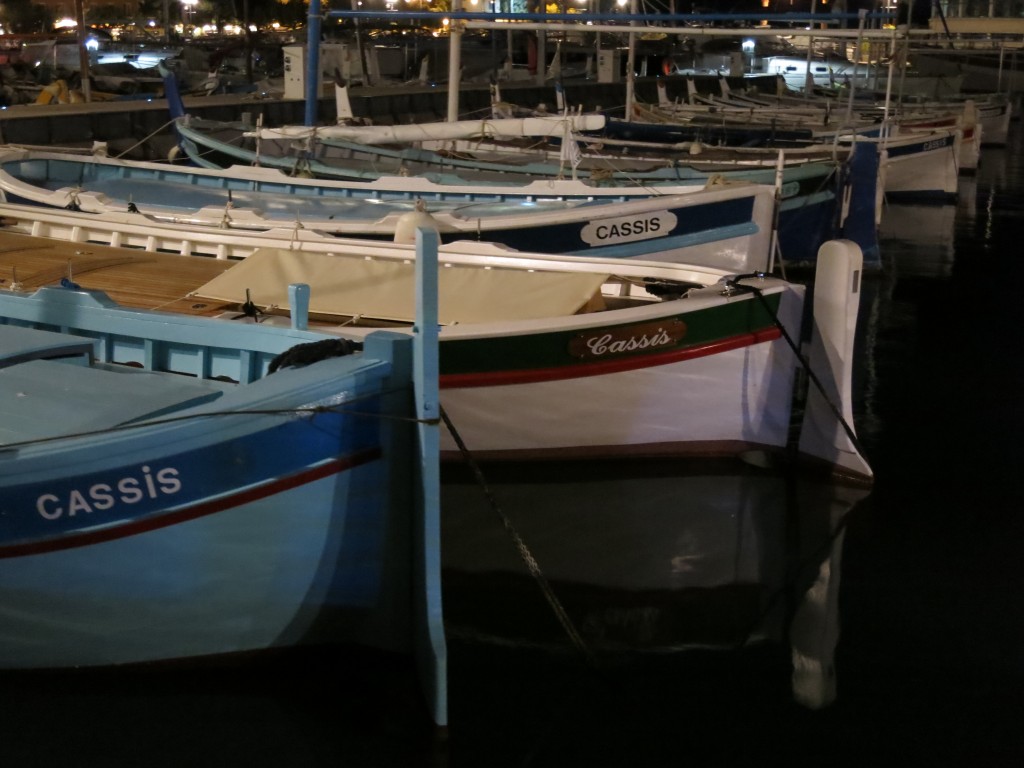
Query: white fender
{"type": "Point", "coordinates": [408, 223]}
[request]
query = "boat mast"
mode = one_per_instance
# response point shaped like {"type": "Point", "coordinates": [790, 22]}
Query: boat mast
{"type": "Point", "coordinates": [631, 60]}
{"type": "Point", "coordinates": [862, 16]}
{"type": "Point", "coordinates": [454, 62]}
{"type": "Point", "coordinates": [809, 72]}
{"type": "Point", "coordinates": [83, 52]}
{"type": "Point", "coordinates": [312, 62]}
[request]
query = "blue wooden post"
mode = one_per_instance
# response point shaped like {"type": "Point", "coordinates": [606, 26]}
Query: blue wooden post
{"type": "Point", "coordinates": [431, 649]}
{"type": "Point", "coordinates": [298, 300]}
{"type": "Point", "coordinates": [860, 224]}
{"type": "Point", "coordinates": [313, 63]}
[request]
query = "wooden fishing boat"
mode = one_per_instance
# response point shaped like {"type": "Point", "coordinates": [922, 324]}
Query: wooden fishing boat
{"type": "Point", "coordinates": [808, 188]}
{"type": "Point", "coordinates": [726, 225]}
{"type": "Point", "coordinates": [544, 357]}
{"type": "Point", "coordinates": [339, 153]}
{"type": "Point", "coordinates": [919, 164]}
{"type": "Point", "coordinates": [175, 486]}
{"type": "Point", "coordinates": [920, 158]}
{"type": "Point", "coordinates": [808, 209]}
{"type": "Point", "coordinates": [925, 147]}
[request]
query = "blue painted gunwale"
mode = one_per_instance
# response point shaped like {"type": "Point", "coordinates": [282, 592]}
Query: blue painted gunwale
{"type": "Point", "coordinates": [225, 453]}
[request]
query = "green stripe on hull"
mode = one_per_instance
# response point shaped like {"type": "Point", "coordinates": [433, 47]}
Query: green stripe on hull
{"type": "Point", "coordinates": [564, 349]}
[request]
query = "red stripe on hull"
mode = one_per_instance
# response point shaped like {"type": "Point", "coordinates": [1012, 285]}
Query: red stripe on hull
{"type": "Point", "coordinates": [499, 378]}
{"type": "Point", "coordinates": [194, 511]}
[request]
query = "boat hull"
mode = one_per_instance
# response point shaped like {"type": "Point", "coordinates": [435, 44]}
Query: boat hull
{"type": "Point", "coordinates": [723, 226]}
{"type": "Point", "coordinates": [258, 575]}
{"type": "Point", "coordinates": [634, 413]}
{"type": "Point", "coordinates": [600, 392]}
{"type": "Point", "coordinates": [921, 165]}
{"type": "Point", "coordinates": [274, 514]}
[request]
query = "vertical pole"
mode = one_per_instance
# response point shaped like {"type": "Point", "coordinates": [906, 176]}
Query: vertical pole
{"type": "Point", "coordinates": [773, 243]}
{"type": "Point", "coordinates": [631, 61]}
{"type": "Point", "coordinates": [83, 52]}
{"type": "Point", "coordinates": [542, 45]}
{"type": "Point", "coordinates": [298, 301]}
{"type": "Point", "coordinates": [809, 73]}
{"type": "Point", "coordinates": [999, 77]}
{"type": "Point", "coordinates": [364, 65]}
{"type": "Point", "coordinates": [431, 650]}
{"type": "Point", "coordinates": [248, 41]}
{"type": "Point", "coordinates": [888, 92]}
{"type": "Point", "coordinates": [508, 39]}
{"type": "Point", "coordinates": [901, 48]}
{"type": "Point", "coordinates": [454, 63]}
{"type": "Point", "coordinates": [313, 63]}
{"type": "Point", "coordinates": [862, 15]}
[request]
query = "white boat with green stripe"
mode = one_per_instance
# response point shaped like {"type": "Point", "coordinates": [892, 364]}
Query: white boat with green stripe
{"type": "Point", "coordinates": [544, 358]}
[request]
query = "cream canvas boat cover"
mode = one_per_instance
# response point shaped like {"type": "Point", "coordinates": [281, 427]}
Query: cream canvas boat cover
{"type": "Point", "coordinates": [385, 289]}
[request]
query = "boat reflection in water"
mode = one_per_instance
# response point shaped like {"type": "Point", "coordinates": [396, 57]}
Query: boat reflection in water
{"type": "Point", "coordinates": [644, 557]}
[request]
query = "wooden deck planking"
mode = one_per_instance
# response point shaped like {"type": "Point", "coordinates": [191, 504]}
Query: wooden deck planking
{"type": "Point", "coordinates": [132, 278]}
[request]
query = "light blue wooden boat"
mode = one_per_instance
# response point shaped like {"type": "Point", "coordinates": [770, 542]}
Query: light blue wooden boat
{"type": "Point", "coordinates": [174, 487]}
{"type": "Point", "coordinates": [326, 153]}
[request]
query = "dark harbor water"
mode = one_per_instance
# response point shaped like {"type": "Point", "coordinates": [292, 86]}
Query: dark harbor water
{"type": "Point", "coordinates": [696, 594]}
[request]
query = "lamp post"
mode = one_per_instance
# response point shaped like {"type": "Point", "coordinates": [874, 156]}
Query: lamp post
{"type": "Point", "coordinates": [188, 9]}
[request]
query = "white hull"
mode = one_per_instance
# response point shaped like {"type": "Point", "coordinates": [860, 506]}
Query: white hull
{"type": "Point", "coordinates": [995, 122]}
{"type": "Point", "coordinates": [709, 226]}
{"type": "Point", "coordinates": [930, 168]}
{"type": "Point", "coordinates": [635, 412]}
{"type": "Point", "coordinates": [747, 250]}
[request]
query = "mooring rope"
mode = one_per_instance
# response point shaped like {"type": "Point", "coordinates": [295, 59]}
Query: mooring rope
{"type": "Point", "coordinates": [734, 283]}
{"type": "Point", "coordinates": [524, 551]}
{"type": "Point", "coordinates": [143, 140]}
{"type": "Point", "coordinates": [304, 412]}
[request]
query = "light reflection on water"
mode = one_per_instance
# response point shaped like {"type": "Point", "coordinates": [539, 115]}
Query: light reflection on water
{"type": "Point", "coordinates": [638, 552]}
